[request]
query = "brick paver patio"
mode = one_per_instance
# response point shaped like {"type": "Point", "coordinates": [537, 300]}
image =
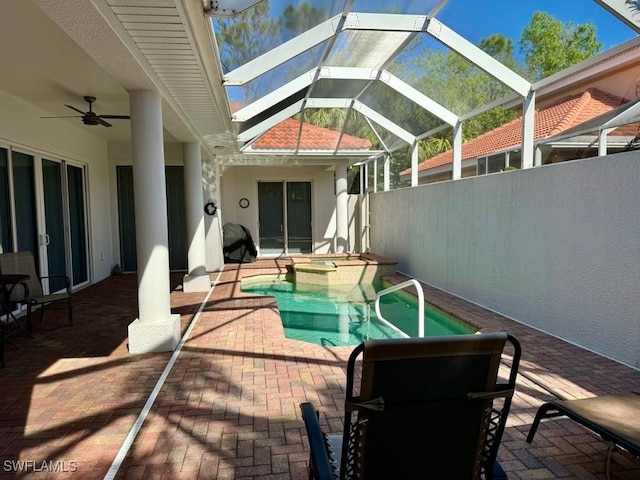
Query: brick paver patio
{"type": "Point", "coordinates": [229, 405]}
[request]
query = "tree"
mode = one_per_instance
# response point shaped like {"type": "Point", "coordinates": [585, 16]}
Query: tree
{"type": "Point", "coordinates": [550, 46]}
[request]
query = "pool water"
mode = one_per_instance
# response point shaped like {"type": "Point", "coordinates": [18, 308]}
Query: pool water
{"type": "Point", "coordinates": [347, 316]}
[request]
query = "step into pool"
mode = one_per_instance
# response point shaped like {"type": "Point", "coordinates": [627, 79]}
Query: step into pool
{"type": "Point", "coordinates": [346, 316]}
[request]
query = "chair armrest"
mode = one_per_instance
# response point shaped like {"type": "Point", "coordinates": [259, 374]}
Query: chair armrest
{"type": "Point", "coordinates": [320, 464]}
{"type": "Point", "coordinates": [66, 278]}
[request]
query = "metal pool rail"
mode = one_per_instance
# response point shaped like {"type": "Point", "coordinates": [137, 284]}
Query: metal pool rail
{"type": "Point", "coordinates": [394, 288]}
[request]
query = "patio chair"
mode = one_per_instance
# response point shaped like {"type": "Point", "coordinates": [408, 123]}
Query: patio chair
{"type": "Point", "coordinates": [616, 418]}
{"type": "Point", "coordinates": [30, 292]}
{"type": "Point", "coordinates": [425, 408]}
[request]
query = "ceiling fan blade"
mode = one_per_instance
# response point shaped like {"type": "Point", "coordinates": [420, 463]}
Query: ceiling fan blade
{"type": "Point", "coordinates": [69, 116]}
{"type": "Point", "coordinates": [74, 108]}
{"type": "Point", "coordinates": [116, 117]}
{"type": "Point", "coordinates": [103, 123]}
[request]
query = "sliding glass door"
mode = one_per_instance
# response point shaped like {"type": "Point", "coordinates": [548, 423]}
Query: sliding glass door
{"type": "Point", "coordinates": [43, 210]}
{"type": "Point", "coordinates": [284, 217]}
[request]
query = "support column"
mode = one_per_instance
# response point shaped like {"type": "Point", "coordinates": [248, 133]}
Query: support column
{"type": "Point", "coordinates": [602, 142]}
{"type": "Point", "coordinates": [387, 172]}
{"type": "Point", "coordinates": [528, 119]}
{"type": "Point", "coordinates": [155, 329]}
{"type": "Point", "coordinates": [415, 150]}
{"type": "Point", "coordinates": [213, 223]}
{"type": "Point", "coordinates": [197, 280]}
{"type": "Point", "coordinates": [456, 172]}
{"type": "Point", "coordinates": [342, 208]}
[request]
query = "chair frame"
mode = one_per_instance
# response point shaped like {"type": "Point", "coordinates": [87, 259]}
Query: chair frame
{"type": "Point", "coordinates": [617, 432]}
{"type": "Point", "coordinates": [323, 462]}
{"type": "Point", "coordinates": [26, 299]}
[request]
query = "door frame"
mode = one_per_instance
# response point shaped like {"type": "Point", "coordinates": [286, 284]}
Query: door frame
{"type": "Point", "coordinates": [40, 215]}
{"type": "Point", "coordinates": [284, 179]}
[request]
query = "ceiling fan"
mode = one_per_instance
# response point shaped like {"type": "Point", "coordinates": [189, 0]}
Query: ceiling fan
{"type": "Point", "coordinates": [91, 117]}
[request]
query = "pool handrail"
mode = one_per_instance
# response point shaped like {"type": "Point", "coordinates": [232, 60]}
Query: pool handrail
{"type": "Point", "coordinates": [400, 286]}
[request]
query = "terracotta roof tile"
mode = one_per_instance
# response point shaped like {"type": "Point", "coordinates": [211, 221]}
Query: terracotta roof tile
{"type": "Point", "coordinates": [567, 113]}
{"type": "Point", "coordinates": [284, 136]}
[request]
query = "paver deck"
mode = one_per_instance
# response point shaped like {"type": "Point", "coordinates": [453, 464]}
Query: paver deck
{"type": "Point", "coordinates": [229, 405]}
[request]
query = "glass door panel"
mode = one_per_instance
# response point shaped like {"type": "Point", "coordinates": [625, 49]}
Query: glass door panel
{"type": "Point", "coordinates": [271, 218]}
{"type": "Point", "coordinates": [77, 225]}
{"type": "Point", "coordinates": [6, 232]}
{"type": "Point", "coordinates": [54, 223]}
{"type": "Point", "coordinates": [25, 204]}
{"type": "Point", "coordinates": [298, 217]}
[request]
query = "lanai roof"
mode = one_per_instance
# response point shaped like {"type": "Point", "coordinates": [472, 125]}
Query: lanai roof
{"type": "Point", "coordinates": [360, 56]}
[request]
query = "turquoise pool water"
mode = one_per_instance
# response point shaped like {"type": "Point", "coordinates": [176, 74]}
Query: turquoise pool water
{"type": "Point", "coordinates": [346, 316]}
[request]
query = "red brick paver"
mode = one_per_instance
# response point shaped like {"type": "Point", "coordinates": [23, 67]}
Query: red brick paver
{"type": "Point", "coordinates": [229, 407]}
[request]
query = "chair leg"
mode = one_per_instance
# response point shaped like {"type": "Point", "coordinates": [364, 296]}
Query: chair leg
{"type": "Point", "coordinates": [2, 344]}
{"type": "Point", "coordinates": [29, 324]}
{"type": "Point", "coordinates": [70, 311]}
{"type": "Point", "coordinates": [543, 412]}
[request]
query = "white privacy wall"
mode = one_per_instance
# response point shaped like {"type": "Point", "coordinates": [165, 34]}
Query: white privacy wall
{"type": "Point", "coordinates": [555, 247]}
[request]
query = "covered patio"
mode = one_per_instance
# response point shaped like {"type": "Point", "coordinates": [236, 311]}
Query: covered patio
{"type": "Point", "coordinates": [225, 404]}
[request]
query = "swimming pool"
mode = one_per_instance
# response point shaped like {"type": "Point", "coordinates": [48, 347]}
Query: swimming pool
{"type": "Point", "coordinates": [346, 316]}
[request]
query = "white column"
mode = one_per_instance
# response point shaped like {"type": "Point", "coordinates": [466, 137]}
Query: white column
{"type": "Point", "coordinates": [456, 173]}
{"type": "Point", "coordinates": [602, 142]}
{"type": "Point", "coordinates": [342, 209]}
{"type": "Point", "coordinates": [387, 172]}
{"type": "Point", "coordinates": [528, 119]}
{"type": "Point", "coordinates": [537, 156]}
{"type": "Point", "coordinates": [156, 329]}
{"type": "Point", "coordinates": [213, 223]}
{"type": "Point", "coordinates": [197, 279]}
{"type": "Point", "coordinates": [375, 175]}
{"type": "Point", "coordinates": [414, 164]}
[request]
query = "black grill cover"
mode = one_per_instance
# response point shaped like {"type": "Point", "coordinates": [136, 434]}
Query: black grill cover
{"type": "Point", "coordinates": [237, 244]}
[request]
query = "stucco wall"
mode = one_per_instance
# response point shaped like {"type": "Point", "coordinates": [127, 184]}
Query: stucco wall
{"type": "Point", "coordinates": [242, 182]}
{"type": "Point", "coordinates": [556, 247]}
{"type": "Point", "coordinates": [21, 127]}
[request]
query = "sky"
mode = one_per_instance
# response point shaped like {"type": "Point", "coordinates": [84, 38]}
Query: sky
{"type": "Point", "coordinates": [481, 19]}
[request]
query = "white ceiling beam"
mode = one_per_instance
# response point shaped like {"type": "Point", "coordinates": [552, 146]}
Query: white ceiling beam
{"type": "Point", "coordinates": [630, 115]}
{"type": "Point", "coordinates": [272, 121]}
{"type": "Point", "coordinates": [328, 102]}
{"type": "Point", "coordinates": [478, 57]}
{"type": "Point", "coordinates": [278, 95]}
{"type": "Point", "coordinates": [419, 98]}
{"type": "Point", "coordinates": [384, 122]}
{"type": "Point", "coordinates": [283, 53]}
{"type": "Point", "coordinates": [366, 111]}
{"type": "Point", "coordinates": [320, 33]}
{"type": "Point", "coordinates": [624, 10]}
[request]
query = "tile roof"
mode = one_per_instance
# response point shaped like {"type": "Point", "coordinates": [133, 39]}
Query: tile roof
{"type": "Point", "coordinates": [284, 136]}
{"type": "Point", "coordinates": [568, 113]}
